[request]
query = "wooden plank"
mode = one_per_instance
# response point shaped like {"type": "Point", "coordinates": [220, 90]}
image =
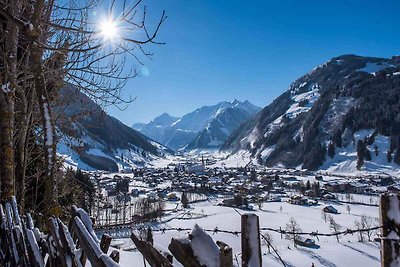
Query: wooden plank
{"type": "Point", "coordinates": [10, 234]}
{"type": "Point", "coordinates": [115, 256]}
{"type": "Point", "coordinates": [225, 255]}
{"type": "Point", "coordinates": [5, 239]}
{"type": "Point", "coordinates": [90, 247]}
{"type": "Point", "coordinates": [64, 237]}
{"type": "Point", "coordinates": [251, 243]}
{"type": "Point", "coordinates": [152, 255]}
{"type": "Point", "coordinates": [390, 219]}
{"type": "Point", "coordinates": [52, 225]}
{"type": "Point", "coordinates": [183, 253]}
{"type": "Point", "coordinates": [105, 243]}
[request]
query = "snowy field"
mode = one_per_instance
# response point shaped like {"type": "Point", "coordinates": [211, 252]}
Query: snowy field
{"type": "Point", "coordinates": [331, 253]}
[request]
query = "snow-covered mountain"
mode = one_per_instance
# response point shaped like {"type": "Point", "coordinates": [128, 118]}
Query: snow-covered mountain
{"type": "Point", "coordinates": [91, 139]}
{"type": "Point", "coordinates": [206, 127]}
{"type": "Point", "coordinates": [342, 116]}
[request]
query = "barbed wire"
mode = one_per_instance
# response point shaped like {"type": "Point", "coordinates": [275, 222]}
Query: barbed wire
{"type": "Point", "coordinates": [316, 233]}
{"type": "Point", "coordinates": [216, 230]}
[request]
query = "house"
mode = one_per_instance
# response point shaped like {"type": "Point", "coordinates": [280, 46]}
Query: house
{"type": "Point", "coordinates": [330, 209]}
{"type": "Point", "coordinates": [172, 197]}
{"type": "Point", "coordinates": [309, 242]}
{"type": "Point", "coordinates": [298, 200]}
{"type": "Point", "coordinates": [332, 187]}
{"type": "Point", "coordinates": [329, 196]}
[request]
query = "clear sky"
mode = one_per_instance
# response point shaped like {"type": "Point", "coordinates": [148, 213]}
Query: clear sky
{"type": "Point", "coordinates": [220, 50]}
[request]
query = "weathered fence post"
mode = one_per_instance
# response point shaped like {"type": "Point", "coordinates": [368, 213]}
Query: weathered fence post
{"type": "Point", "coordinates": [152, 255]}
{"type": "Point", "coordinates": [390, 220]}
{"type": "Point", "coordinates": [225, 255]}
{"type": "Point", "coordinates": [251, 243]}
{"type": "Point", "coordinates": [105, 243]}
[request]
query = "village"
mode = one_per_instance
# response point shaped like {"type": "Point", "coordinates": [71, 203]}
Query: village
{"type": "Point", "coordinates": [193, 191]}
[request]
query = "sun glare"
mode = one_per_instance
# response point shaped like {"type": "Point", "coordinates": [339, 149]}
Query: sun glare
{"type": "Point", "coordinates": [109, 29]}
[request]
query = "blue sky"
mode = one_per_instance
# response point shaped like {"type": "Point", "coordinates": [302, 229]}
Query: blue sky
{"type": "Point", "coordinates": [251, 49]}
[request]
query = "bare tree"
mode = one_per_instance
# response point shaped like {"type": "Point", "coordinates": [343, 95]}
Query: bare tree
{"type": "Point", "coordinates": [348, 208]}
{"type": "Point", "coordinates": [45, 44]}
{"type": "Point", "coordinates": [334, 226]}
{"type": "Point", "coordinates": [292, 229]}
{"type": "Point", "coordinates": [267, 241]}
{"type": "Point", "coordinates": [366, 223]}
{"type": "Point", "coordinates": [360, 234]}
{"type": "Point", "coordinates": [323, 215]}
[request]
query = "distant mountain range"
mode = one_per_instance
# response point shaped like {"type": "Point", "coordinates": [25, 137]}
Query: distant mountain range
{"type": "Point", "coordinates": [91, 139]}
{"type": "Point", "coordinates": [204, 128]}
{"type": "Point", "coordinates": [342, 116]}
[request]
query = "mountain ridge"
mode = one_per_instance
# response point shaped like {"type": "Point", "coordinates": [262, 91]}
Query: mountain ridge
{"type": "Point", "coordinates": [92, 139]}
{"type": "Point", "coordinates": [182, 131]}
{"type": "Point", "coordinates": [333, 101]}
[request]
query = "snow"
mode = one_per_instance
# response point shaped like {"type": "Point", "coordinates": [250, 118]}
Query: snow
{"type": "Point", "coordinates": [345, 159]}
{"type": "Point", "coordinates": [88, 237]}
{"type": "Point", "coordinates": [87, 222]}
{"type": "Point", "coordinates": [15, 210]}
{"type": "Point", "coordinates": [94, 244]}
{"type": "Point", "coordinates": [331, 253]}
{"type": "Point", "coordinates": [310, 96]}
{"type": "Point", "coordinates": [34, 247]}
{"type": "Point", "coordinates": [48, 133]}
{"type": "Point", "coordinates": [374, 67]}
{"type": "Point", "coordinates": [71, 244]}
{"type": "Point", "coordinates": [204, 248]}
{"type": "Point", "coordinates": [394, 210]}
{"type": "Point", "coordinates": [49, 129]}
{"type": "Point", "coordinates": [266, 152]}
{"type": "Point", "coordinates": [254, 238]}
{"type": "Point", "coordinates": [239, 159]}
{"type": "Point", "coordinates": [98, 152]}
{"type": "Point", "coordinates": [6, 88]}
{"type": "Point", "coordinates": [10, 226]}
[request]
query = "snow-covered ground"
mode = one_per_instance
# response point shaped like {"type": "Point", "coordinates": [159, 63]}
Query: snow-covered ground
{"type": "Point", "coordinates": [345, 159]}
{"type": "Point", "coordinates": [331, 253]}
{"type": "Point", "coordinates": [374, 67]}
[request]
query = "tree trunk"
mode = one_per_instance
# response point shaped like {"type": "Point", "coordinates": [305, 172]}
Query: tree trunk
{"type": "Point", "coordinates": [50, 195]}
{"type": "Point", "coordinates": [6, 145]}
{"type": "Point", "coordinates": [7, 103]}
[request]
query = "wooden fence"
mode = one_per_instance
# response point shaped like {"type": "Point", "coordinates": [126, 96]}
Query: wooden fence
{"type": "Point", "coordinates": [22, 244]}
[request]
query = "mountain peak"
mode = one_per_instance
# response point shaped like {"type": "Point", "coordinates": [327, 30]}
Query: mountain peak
{"type": "Point", "coordinates": [164, 120]}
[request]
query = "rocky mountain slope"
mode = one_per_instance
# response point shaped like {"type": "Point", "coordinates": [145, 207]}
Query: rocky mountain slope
{"type": "Point", "coordinates": [91, 139]}
{"type": "Point", "coordinates": [343, 115]}
{"type": "Point", "coordinates": [206, 127]}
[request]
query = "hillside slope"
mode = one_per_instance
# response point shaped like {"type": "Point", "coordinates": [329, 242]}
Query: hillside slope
{"type": "Point", "coordinates": [321, 120]}
{"type": "Point", "coordinates": [91, 139]}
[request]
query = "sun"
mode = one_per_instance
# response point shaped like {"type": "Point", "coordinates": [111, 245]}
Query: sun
{"type": "Point", "coordinates": [109, 29]}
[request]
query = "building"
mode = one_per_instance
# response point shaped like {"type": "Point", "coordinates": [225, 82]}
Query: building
{"type": "Point", "coordinates": [197, 169]}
